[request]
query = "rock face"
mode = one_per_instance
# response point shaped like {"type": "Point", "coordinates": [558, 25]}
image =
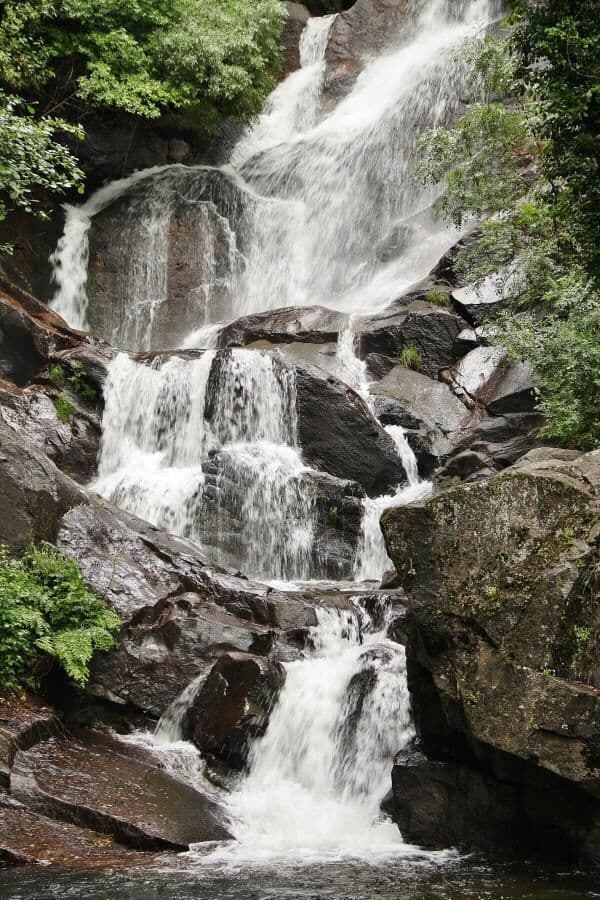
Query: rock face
{"type": "Point", "coordinates": [502, 656]}
{"type": "Point", "coordinates": [298, 16]}
{"type": "Point", "coordinates": [233, 705]}
{"type": "Point", "coordinates": [312, 324]}
{"type": "Point", "coordinates": [102, 788]}
{"type": "Point", "coordinates": [184, 275]}
{"type": "Point", "coordinates": [364, 29]}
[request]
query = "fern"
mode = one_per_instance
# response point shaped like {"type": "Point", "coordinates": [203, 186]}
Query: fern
{"type": "Point", "coordinates": [47, 612]}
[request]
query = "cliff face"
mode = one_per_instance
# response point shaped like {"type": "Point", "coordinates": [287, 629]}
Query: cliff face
{"type": "Point", "coordinates": [504, 660]}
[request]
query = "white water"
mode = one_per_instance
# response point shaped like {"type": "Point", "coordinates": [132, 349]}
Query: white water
{"type": "Point", "coordinates": [372, 560]}
{"type": "Point", "coordinates": [156, 448]}
{"type": "Point", "coordinates": [327, 209]}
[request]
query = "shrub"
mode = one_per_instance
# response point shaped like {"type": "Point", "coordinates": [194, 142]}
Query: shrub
{"type": "Point", "coordinates": [47, 613]}
{"type": "Point", "coordinates": [410, 358]}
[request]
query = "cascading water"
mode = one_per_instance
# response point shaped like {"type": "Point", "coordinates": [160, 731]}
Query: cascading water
{"type": "Point", "coordinates": [159, 451]}
{"type": "Point", "coordinates": [372, 560]}
{"type": "Point", "coordinates": [319, 774]}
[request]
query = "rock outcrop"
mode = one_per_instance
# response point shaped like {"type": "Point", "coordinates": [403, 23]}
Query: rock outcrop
{"type": "Point", "coordinates": [100, 786]}
{"type": "Point", "coordinates": [504, 669]}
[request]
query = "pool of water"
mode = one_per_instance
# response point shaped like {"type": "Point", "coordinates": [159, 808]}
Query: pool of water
{"type": "Point", "coordinates": [459, 880]}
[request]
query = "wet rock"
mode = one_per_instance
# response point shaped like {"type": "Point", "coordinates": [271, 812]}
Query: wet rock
{"type": "Point", "coordinates": [431, 330]}
{"type": "Point", "coordinates": [443, 803]}
{"type": "Point", "coordinates": [166, 646]}
{"type": "Point", "coordinates": [446, 272]}
{"type": "Point", "coordinates": [338, 434]}
{"type": "Point", "coordinates": [96, 787]}
{"type": "Point", "coordinates": [476, 373]}
{"type": "Point", "coordinates": [419, 403]}
{"type": "Point", "coordinates": [233, 706]}
{"type": "Point", "coordinates": [365, 29]}
{"type": "Point", "coordinates": [307, 324]}
{"type": "Point", "coordinates": [298, 16]}
{"type": "Point", "coordinates": [73, 444]}
{"type": "Point", "coordinates": [178, 611]}
{"type": "Point", "coordinates": [191, 264]}
{"type": "Point", "coordinates": [478, 305]}
{"type": "Point", "coordinates": [29, 334]}
{"type": "Point", "coordinates": [501, 659]}
{"type": "Point", "coordinates": [513, 392]}
{"type": "Point", "coordinates": [30, 839]}
{"type": "Point", "coordinates": [24, 720]}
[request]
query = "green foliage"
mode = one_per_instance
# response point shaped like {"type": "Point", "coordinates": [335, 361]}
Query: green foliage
{"type": "Point", "coordinates": [410, 358]}
{"type": "Point", "coordinates": [437, 298]}
{"type": "Point", "coordinates": [32, 159]}
{"type": "Point", "coordinates": [212, 58]}
{"type": "Point", "coordinates": [77, 380]}
{"type": "Point", "coordinates": [64, 408]}
{"type": "Point", "coordinates": [47, 613]}
{"type": "Point", "coordinates": [525, 159]}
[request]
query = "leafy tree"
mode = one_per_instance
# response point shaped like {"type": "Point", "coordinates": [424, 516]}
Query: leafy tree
{"type": "Point", "coordinates": [32, 158]}
{"type": "Point", "coordinates": [47, 612]}
{"type": "Point", "coordinates": [145, 58]}
{"type": "Point", "coordinates": [524, 158]}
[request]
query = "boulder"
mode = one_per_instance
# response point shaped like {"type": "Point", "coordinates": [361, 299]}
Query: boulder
{"type": "Point", "coordinates": [513, 392]}
{"type": "Point", "coordinates": [365, 29]}
{"type": "Point", "coordinates": [430, 329]}
{"type": "Point", "coordinates": [429, 410]}
{"type": "Point", "coordinates": [338, 433]}
{"type": "Point", "coordinates": [96, 786]}
{"type": "Point", "coordinates": [503, 664]}
{"type": "Point", "coordinates": [233, 705]}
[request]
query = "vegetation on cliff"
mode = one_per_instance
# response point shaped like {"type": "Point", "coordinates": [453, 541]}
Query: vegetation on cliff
{"type": "Point", "coordinates": [525, 156]}
{"type": "Point", "coordinates": [47, 613]}
{"type": "Point", "coordinates": [63, 60]}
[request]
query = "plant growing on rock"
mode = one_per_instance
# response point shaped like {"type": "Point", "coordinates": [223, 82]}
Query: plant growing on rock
{"type": "Point", "coordinates": [411, 358]}
{"type": "Point", "coordinates": [525, 158]}
{"type": "Point", "coordinates": [48, 614]}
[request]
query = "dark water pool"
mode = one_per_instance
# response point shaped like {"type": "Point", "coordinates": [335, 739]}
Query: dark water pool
{"type": "Point", "coordinates": [348, 881]}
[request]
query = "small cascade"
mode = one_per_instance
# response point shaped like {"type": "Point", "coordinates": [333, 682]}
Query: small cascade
{"type": "Point", "coordinates": [205, 448]}
{"type": "Point", "coordinates": [71, 257]}
{"type": "Point", "coordinates": [372, 560]}
{"type": "Point", "coordinates": [318, 776]}
{"type": "Point", "coordinates": [349, 367]}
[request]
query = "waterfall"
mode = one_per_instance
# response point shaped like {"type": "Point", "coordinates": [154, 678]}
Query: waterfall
{"type": "Point", "coordinates": [318, 776]}
{"type": "Point", "coordinates": [319, 205]}
{"type": "Point", "coordinates": [372, 560]}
